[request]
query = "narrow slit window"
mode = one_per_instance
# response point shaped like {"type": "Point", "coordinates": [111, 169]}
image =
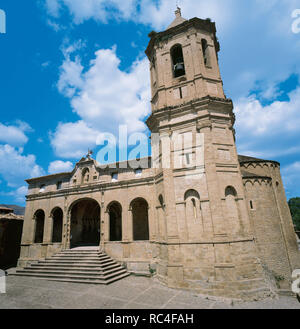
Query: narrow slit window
{"type": "Point", "coordinates": [251, 204]}
{"type": "Point", "coordinates": [194, 208]}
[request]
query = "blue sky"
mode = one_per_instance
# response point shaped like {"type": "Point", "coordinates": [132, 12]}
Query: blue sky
{"type": "Point", "coordinates": [71, 69]}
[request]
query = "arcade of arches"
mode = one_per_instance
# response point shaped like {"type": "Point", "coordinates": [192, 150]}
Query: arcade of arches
{"type": "Point", "coordinates": [85, 223]}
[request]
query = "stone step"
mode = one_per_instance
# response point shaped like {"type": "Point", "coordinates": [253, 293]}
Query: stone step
{"type": "Point", "coordinates": [106, 282]}
{"type": "Point", "coordinates": [70, 266]}
{"type": "Point", "coordinates": [76, 269]}
{"type": "Point", "coordinates": [79, 258]}
{"type": "Point", "coordinates": [72, 274]}
{"type": "Point", "coordinates": [79, 261]}
{"type": "Point", "coordinates": [81, 254]}
{"type": "Point", "coordinates": [74, 266]}
{"type": "Point", "coordinates": [64, 264]}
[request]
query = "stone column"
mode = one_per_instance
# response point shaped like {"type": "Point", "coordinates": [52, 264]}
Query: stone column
{"type": "Point", "coordinates": [129, 224]}
{"type": "Point", "coordinates": [102, 227]}
{"type": "Point", "coordinates": [48, 229]}
{"type": "Point", "coordinates": [105, 235]}
{"type": "Point", "coordinates": [67, 228]}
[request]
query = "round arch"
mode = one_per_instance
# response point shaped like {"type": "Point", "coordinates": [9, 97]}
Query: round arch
{"type": "Point", "coordinates": [57, 224]}
{"type": "Point", "coordinates": [85, 222]}
{"type": "Point", "coordinates": [191, 194]}
{"type": "Point", "coordinates": [177, 60]}
{"type": "Point", "coordinates": [140, 221]}
{"type": "Point", "coordinates": [230, 190]}
{"type": "Point", "coordinates": [114, 209]}
{"type": "Point", "coordinates": [39, 217]}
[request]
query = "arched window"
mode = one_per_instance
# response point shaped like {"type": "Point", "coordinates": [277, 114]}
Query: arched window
{"type": "Point", "coordinates": [232, 208]}
{"type": "Point", "coordinates": [140, 223]}
{"type": "Point", "coordinates": [39, 226]}
{"type": "Point", "coordinates": [85, 176]}
{"type": "Point", "coordinates": [192, 204]}
{"type": "Point", "coordinates": [177, 61]}
{"type": "Point", "coordinates": [115, 222]}
{"type": "Point", "coordinates": [57, 217]}
{"type": "Point", "coordinates": [205, 50]}
{"type": "Point", "coordinates": [230, 191]}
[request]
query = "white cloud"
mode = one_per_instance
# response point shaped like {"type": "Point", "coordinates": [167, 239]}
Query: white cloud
{"type": "Point", "coordinates": [290, 175]}
{"type": "Point", "coordinates": [59, 166]}
{"type": "Point", "coordinates": [99, 10]}
{"type": "Point", "coordinates": [20, 194]}
{"type": "Point", "coordinates": [14, 134]}
{"type": "Point", "coordinates": [16, 167]}
{"type": "Point", "coordinates": [104, 97]}
{"type": "Point", "coordinates": [45, 64]}
{"type": "Point", "coordinates": [53, 7]}
{"type": "Point", "coordinates": [72, 140]}
{"type": "Point", "coordinates": [268, 131]}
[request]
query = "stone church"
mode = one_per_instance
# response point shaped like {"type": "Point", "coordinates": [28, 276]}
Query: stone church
{"type": "Point", "coordinates": [221, 227]}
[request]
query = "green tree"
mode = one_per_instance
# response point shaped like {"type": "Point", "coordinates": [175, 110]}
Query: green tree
{"type": "Point", "coordinates": [294, 205]}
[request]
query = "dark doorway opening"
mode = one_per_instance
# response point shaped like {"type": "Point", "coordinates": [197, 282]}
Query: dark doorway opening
{"type": "Point", "coordinates": [85, 224]}
{"type": "Point", "coordinates": [115, 222]}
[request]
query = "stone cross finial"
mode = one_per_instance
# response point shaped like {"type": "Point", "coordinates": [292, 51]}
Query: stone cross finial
{"type": "Point", "coordinates": [178, 12]}
{"type": "Point", "coordinates": [90, 152]}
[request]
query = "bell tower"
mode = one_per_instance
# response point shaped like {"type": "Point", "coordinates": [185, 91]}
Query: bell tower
{"type": "Point", "coordinates": [204, 238]}
{"type": "Point", "coordinates": [184, 62]}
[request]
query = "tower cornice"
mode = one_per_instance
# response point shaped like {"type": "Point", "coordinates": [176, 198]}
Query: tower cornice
{"type": "Point", "coordinates": [198, 23]}
{"type": "Point", "coordinates": [208, 103]}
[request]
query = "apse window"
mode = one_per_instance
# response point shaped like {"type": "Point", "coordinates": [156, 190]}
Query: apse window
{"type": "Point", "coordinates": [42, 188]}
{"type": "Point", "coordinates": [178, 62]}
{"type": "Point", "coordinates": [114, 177]}
{"type": "Point", "coordinates": [138, 172]}
{"type": "Point", "coordinates": [58, 185]}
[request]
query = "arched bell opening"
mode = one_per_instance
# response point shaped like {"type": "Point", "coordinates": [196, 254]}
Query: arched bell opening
{"type": "Point", "coordinates": [177, 61]}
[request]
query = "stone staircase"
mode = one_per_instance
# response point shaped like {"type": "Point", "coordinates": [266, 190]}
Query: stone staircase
{"type": "Point", "coordinates": [81, 265]}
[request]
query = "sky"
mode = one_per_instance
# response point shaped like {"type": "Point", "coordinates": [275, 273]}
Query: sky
{"type": "Point", "coordinates": [71, 70]}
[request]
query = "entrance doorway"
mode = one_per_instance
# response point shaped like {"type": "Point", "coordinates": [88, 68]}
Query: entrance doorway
{"type": "Point", "coordinates": [85, 224]}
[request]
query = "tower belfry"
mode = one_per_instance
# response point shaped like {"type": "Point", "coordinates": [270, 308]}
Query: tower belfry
{"type": "Point", "coordinates": [184, 62]}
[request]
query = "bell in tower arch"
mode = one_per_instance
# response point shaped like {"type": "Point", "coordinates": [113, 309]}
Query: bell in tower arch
{"type": "Point", "coordinates": [178, 62]}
